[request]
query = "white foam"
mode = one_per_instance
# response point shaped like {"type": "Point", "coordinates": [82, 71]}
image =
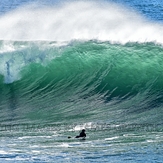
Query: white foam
{"type": "Point", "coordinates": [79, 20]}
{"type": "Point", "coordinates": [64, 145]}
{"type": "Point", "coordinates": [3, 152]}
{"type": "Point", "coordinates": [112, 138]}
{"type": "Point", "coordinates": [82, 126]}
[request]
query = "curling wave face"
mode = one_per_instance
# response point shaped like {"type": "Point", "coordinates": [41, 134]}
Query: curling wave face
{"type": "Point", "coordinates": [42, 80]}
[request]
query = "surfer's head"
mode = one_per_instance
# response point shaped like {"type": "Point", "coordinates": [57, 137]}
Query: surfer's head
{"type": "Point", "coordinates": [83, 130]}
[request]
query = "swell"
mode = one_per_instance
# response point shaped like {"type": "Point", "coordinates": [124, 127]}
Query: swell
{"type": "Point", "coordinates": [42, 81]}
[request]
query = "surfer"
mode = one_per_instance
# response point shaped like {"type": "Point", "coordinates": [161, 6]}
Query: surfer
{"type": "Point", "coordinates": [82, 134]}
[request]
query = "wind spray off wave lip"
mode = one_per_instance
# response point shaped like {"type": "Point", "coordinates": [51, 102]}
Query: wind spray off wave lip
{"type": "Point", "coordinates": [79, 21]}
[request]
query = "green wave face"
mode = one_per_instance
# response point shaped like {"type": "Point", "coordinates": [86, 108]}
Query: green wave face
{"type": "Point", "coordinates": [47, 82]}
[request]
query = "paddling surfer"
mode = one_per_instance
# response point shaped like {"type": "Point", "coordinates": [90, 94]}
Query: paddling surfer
{"type": "Point", "coordinates": [82, 134]}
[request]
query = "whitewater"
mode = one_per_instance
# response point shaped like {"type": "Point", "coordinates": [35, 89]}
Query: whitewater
{"type": "Point", "coordinates": [73, 65]}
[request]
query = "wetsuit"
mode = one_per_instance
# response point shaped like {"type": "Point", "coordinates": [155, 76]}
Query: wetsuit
{"type": "Point", "coordinates": [82, 134]}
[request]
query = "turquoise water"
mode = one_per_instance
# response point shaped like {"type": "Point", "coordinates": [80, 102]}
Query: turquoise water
{"type": "Point", "coordinates": [74, 65]}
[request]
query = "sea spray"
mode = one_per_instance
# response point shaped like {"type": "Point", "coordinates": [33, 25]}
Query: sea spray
{"type": "Point", "coordinates": [79, 21]}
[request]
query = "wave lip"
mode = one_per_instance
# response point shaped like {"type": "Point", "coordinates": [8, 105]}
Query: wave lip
{"type": "Point", "coordinates": [79, 21]}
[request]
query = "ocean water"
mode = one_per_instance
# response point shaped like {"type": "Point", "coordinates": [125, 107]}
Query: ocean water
{"type": "Point", "coordinates": [69, 65]}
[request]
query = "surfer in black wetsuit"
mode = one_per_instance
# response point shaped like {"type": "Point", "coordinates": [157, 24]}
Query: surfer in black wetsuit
{"type": "Point", "coordinates": [82, 134]}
